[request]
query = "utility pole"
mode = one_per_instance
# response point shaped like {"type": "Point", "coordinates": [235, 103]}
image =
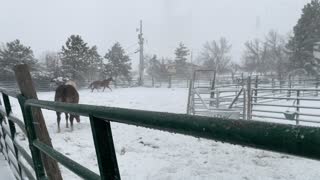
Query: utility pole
{"type": "Point", "coordinates": [141, 64]}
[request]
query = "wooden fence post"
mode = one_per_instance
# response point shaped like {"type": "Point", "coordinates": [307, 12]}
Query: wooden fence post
{"type": "Point", "coordinates": [213, 88]}
{"type": "Point", "coordinates": [249, 98]}
{"type": "Point", "coordinates": [298, 109]}
{"type": "Point", "coordinates": [272, 84]}
{"type": "Point", "coordinates": [217, 99]}
{"type": "Point", "coordinates": [317, 85]}
{"type": "Point", "coordinates": [256, 89]}
{"type": "Point", "coordinates": [244, 103]}
{"type": "Point", "coordinates": [289, 86]}
{"type": "Point", "coordinates": [24, 81]}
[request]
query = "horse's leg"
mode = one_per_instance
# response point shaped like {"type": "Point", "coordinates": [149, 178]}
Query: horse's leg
{"type": "Point", "coordinates": [104, 87]}
{"type": "Point", "coordinates": [110, 88]}
{"type": "Point", "coordinates": [71, 121]}
{"type": "Point", "coordinates": [67, 125]}
{"type": "Point", "coordinates": [58, 120]}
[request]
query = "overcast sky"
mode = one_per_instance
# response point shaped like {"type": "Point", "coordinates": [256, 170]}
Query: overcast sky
{"type": "Point", "coordinates": [45, 25]}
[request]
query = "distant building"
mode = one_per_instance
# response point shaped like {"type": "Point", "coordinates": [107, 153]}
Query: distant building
{"type": "Point", "coordinates": [187, 69]}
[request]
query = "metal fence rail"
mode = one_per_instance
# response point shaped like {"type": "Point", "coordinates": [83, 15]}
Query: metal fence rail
{"type": "Point", "coordinates": [296, 140]}
{"type": "Point", "coordinates": [297, 95]}
{"type": "Point", "coordinates": [291, 139]}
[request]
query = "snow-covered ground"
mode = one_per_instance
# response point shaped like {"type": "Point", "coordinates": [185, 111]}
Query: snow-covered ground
{"type": "Point", "coordinates": [5, 172]}
{"type": "Point", "coordinates": [149, 154]}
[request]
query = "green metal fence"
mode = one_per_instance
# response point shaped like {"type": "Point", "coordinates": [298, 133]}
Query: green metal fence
{"type": "Point", "coordinates": [295, 140]}
{"type": "Point", "coordinates": [14, 152]}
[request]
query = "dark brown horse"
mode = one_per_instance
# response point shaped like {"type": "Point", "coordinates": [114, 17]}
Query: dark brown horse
{"type": "Point", "coordinates": [68, 94]}
{"type": "Point", "coordinates": [97, 84]}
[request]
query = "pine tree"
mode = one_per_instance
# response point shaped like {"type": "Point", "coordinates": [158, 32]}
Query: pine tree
{"type": "Point", "coordinates": [118, 65]}
{"type": "Point", "coordinates": [95, 62]}
{"type": "Point", "coordinates": [154, 68]}
{"type": "Point", "coordinates": [14, 53]}
{"type": "Point", "coordinates": [181, 53]}
{"type": "Point", "coordinates": [74, 57]}
{"type": "Point", "coordinates": [52, 62]}
{"type": "Point", "coordinates": [79, 60]}
{"type": "Point", "coordinates": [306, 34]}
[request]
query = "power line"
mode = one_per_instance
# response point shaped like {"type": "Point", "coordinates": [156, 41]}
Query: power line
{"type": "Point", "coordinates": [132, 45]}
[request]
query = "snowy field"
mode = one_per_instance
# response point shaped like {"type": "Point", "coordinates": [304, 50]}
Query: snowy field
{"type": "Point", "coordinates": [149, 154]}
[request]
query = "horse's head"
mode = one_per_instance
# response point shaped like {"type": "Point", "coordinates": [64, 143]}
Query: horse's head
{"type": "Point", "coordinates": [111, 79]}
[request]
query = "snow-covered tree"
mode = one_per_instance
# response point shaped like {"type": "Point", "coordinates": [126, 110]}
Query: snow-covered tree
{"type": "Point", "coordinates": [255, 56]}
{"type": "Point", "coordinates": [305, 34]}
{"type": "Point", "coordinates": [53, 63]}
{"type": "Point", "coordinates": [118, 63]}
{"type": "Point", "coordinates": [13, 53]}
{"type": "Point", "coordinates": [215, 55]}
{"type": "Point", "coordinates": [95, 63]}
{"type": "Point", "coordinates": [154, 68]}
{"type": "Point", "coordinates": [78, 59]}
{"type": "Point", "coordinates": [277, 56]}
{"type": "Point", "coordinates": [181, 53]}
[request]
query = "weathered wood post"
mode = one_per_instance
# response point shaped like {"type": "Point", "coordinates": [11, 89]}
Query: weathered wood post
{"type": "Point", "coordinates": [27, 89]}
{"type": "Point", "coordinates": [272, 84]}
{"type": "Point", "coordinates": [289, 87]}
{"type": "Point", "coordinates": [213, 88]}
{"type": "Point", "coordinates": [317, 85]}
{"type": "Point", "coordinates": [298, 109]}
{"type": "Point", "coordinates": [256, 89]}
{"type": "Point", "coordinates": [218, 99]}
{"type": "Point", "coordinates": [249, 103]}
{"type": "Point", "coordinates": [244, 110]}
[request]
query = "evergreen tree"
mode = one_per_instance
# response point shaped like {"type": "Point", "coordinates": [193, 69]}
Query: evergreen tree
{"type": "Point", "coordinates": [14, 53]}
{"type": "Point", "coordinates": [74, 57]}
{"type": "Point", "coordinates": [53, 63]}
{"type": "Point", "coordinates": [181, 53]}
{"type": "Point", "coordinates": [306, 34]}
{"type": "Point", "coordinates": [154, 68]}
{"type": "Point", "coordinates": [95, 63]}
{"type": "Point", "coordinates": [118, 65]}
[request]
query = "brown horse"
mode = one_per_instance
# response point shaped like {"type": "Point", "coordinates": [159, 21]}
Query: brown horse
{"type": "Point", "coordinates": [97, 84]}
{"type": "Point", "coordinates": [68, 94]}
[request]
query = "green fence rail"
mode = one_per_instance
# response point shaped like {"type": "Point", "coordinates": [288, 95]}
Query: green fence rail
{"type": "Point", "coordinates": [291, 139]}
{"type": "Point", "coordinates": [9, 144]}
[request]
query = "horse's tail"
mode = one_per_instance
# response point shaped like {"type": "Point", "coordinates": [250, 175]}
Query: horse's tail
{"type": "Point", "coordinates": [90, 85]}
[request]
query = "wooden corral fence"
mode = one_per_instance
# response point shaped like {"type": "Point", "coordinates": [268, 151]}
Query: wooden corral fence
{"type": "Point", "coordinates": [295, 140]}
{"type": "Point", "coordinates": [40, 85]}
